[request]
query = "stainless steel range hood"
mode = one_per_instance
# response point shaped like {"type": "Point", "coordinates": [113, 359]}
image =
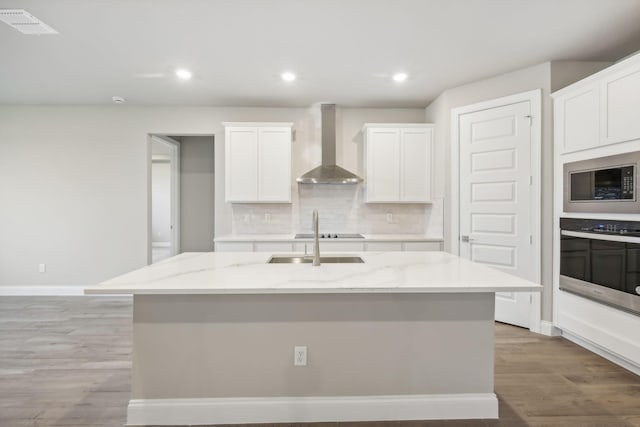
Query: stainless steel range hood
{"type": "Point", "coordinates": [328, 172]}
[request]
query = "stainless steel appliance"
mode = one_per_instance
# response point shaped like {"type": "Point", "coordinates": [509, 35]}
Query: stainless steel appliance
{"type": "Point", "coordinates": [328, 172]}
{"type": "Point", "coordinates": [600, 260]}
{"type": "Point", "coordinates": [602, 185]}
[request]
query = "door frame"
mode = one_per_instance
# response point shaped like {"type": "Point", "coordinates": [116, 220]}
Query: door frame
{"type": "Point", "coordinates": [535, 99]}
{"type": "Point", "coordinates": [175, 193]}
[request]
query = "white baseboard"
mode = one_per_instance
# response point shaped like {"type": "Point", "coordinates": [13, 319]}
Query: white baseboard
{"type": "Point", "coordinates": [547, 328]}
{"type": "Point", "coordinates": [601, 351]}
{"type": "Point", "coordinates": [311, 409]}
{"type": "Point", "coordinates": [41, 290]}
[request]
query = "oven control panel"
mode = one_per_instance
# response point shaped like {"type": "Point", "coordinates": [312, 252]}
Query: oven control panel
{"type": "Point", "coordinates": [628, 228]}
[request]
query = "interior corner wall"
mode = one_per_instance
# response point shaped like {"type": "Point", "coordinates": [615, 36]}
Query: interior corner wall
{"type": "Point", "coordinates": [197, 192]}
{"type": "Point", "coordinates": [563, 73]}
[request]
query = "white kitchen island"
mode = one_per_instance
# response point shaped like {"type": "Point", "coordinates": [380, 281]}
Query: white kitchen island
{"type": "Point", "coordinates": [402, 336]}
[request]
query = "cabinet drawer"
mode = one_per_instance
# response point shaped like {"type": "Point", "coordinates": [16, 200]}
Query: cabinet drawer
{"type": "Point", "coordinates": [422, 246]}
{"type": "Point", "coordinates": [384, 246]}
{"type": "Point", "coordinates": [339, 247]}
{"type": "Point", "coordinates": [273, 247]}
{"type": "Point", "coordinates": [234, 247]}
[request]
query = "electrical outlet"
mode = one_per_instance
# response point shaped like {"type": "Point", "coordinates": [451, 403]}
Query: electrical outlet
{"type": "Point", "coordinates": [300, 355]}
{"type": "Point", "coordinates": [389, 217]}
{"type": "Point", "coordinates": [247, 217]}
{"type": "Point", "coordinates": [267, 217]}
{"type": "Point", "coordinates": [42, 268]}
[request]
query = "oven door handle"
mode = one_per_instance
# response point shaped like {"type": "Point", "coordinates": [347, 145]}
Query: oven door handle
{"type": "Point", "coordinates": [596, 236]}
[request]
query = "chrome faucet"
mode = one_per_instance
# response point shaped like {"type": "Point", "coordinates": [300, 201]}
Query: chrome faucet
{"type": "Point", "coordinates": [316, 242]}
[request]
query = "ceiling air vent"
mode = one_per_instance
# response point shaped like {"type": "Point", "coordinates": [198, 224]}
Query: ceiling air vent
{"type": "Point", "coordinates": [25, 22]}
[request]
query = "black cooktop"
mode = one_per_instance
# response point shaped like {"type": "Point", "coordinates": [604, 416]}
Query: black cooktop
{"type": "Point", "coordinates": [330, 236]}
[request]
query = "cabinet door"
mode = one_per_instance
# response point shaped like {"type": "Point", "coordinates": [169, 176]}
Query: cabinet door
{"type": "Point", "coordinates": [338, 247]}
{"type": "Point", "coordinates": [384, 246]}
{"type": "Point", "coordinates": [422, 246]}
{"type": "Point", "coordinates": [274, 164]}
{"type": "Point", "coordinates": [415, 165]}
{"type": "Point", "coordinates": [234, 246]}
{"type": "Point", "coordinates": [621, 103]}
{"type": "Point", "coordinates": [383, 165]}
{"type": "Point", "coordinates": [241, 164]}
{"type": "Point", "coordinates": [273, 247]}
{"type": "Point", "coordinates": [577, 118]}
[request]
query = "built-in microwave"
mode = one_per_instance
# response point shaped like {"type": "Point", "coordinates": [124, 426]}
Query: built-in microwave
{"type": "Point", "coordinates": [602, 185]}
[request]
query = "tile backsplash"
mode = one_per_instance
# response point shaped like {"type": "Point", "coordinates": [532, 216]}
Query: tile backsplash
{"type": "Point", "coordinates": [341, 209]}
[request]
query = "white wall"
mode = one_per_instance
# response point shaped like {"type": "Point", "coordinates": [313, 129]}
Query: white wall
{"type": "Point", "coordinates": [161, 202]}
{"type": "Point", "coordinates": [548, 76]}
{"type": "Point", "coordinates": [197, 193]}
{"type": "Point", "coordinates": [74, 180]}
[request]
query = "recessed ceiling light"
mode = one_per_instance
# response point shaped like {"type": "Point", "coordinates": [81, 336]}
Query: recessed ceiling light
{"type": "Point", "coordinates": [184, 74]}
{"type": "Point", "coordinates": [118, 99]}
{"type": "Point", "coordinates": [288, 76]}
{"type": "Point", "coordinates": [400, 77]}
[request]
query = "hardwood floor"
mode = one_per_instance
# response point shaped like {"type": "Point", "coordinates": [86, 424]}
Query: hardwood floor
{"type": "Point", "coordinates": [65, 361]}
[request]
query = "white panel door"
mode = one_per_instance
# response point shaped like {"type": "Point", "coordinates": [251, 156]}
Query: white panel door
{"type": "Point", "coordinates": [241, 168]}
{"type": "Point", "coordinates": [275, 165]}
{"type": "Point", "coordinates": [383, 163]}
{"type": "Point", "coordinates": [495, 200]}
{"type": "Point", "coordinates": [415, 152]}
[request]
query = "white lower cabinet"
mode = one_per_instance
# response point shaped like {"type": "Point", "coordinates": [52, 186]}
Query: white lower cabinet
{"type": "Point", "coordinates": [330, 247]}
{"type": "Point", "coordinates": [422, 246]}
{"type": "Point", "coordinates": [273, 247]}
{"type": "Point", "coordinates": [325, 246]}
{"type": "Point", "coordinates": [384, 246]}
{"type": "Point", "coordinates": [234, 246]}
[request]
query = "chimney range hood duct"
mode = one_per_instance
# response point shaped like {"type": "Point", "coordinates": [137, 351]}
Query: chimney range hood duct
{"type": "Point", "coordinates": [328, 172]}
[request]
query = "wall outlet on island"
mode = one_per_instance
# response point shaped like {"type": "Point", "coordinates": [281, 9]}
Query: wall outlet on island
{"type": "Point", "coordinates": [389, 217]}
{"type": "Point", "coordinates": [42, 268]}
{"type": "Point", "coordinates": [300, 355]}
{"type": "Point", "coordinates": [267, 217]}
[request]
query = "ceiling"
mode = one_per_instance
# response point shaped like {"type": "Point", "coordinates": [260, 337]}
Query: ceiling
{"type": "Point", "coordinates": [343, 51]}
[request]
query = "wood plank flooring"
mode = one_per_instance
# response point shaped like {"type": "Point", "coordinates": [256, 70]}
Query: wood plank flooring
{"type": "Point", "coordinates": [66, 361]}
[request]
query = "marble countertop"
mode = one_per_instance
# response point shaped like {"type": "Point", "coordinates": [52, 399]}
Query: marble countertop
{"type": "Point", "coordinates": [291, 237]}
{"type": "Point", "coordinates": [249, 273]}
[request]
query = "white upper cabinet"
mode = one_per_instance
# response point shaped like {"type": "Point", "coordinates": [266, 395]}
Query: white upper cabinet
{"type": "Point", "coordinates": [577, 119]}
{"type": "Point", "coordinates": [258, 162]}
{"type": "Point", "coordinates": [621, 106]}
{"type": "Point", "coordinates": [398, 161]}
{"type": "Point", "coordinates": [599, 110]}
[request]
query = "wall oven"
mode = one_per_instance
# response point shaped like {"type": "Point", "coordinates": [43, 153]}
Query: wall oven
{"type": "Point", "coordinates": [600, 260]}
{"type": "Point", "coordinates": [606, 184]}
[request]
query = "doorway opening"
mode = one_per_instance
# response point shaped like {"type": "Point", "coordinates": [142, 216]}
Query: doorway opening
{"type": "Point", "coordinates": [180, 196]}
{"type": "Point", "coordinates": [165, 195]}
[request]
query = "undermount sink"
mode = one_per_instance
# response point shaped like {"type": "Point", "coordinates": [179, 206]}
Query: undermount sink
{"type": "Point", "coordinates": [297, 259]}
